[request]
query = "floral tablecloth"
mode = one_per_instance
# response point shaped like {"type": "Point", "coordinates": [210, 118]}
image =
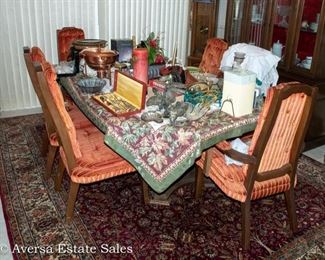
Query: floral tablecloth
{"type": "Point", "coordinates": [160, 156]}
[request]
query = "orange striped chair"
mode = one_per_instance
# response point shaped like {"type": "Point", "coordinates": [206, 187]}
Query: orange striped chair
{"type": "Point", "coordinates": [211, 58]}
{"type": "Point", "coordinates": [212, 55]}
{"type": "Point", "coordinates": [65, 37]}
{"type": "Point", "coordinates": [85, 156]}
{"type": "Point", "coordinates": [270, 165]}
{"type": "Point", "coordinates": [50, 143]}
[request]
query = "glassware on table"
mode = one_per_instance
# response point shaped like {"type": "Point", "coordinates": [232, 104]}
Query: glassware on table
{"type": "Point", "coordinates": [238, 60]}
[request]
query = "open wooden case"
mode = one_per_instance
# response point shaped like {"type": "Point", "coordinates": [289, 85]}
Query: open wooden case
{"type": "Point", "coordinates": [128, 96]}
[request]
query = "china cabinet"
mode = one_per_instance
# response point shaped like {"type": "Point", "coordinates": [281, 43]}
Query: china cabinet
{"type": "Point", "coordinates": [203, 23]}
{"type": "Point", "coordinates": [294, 30]}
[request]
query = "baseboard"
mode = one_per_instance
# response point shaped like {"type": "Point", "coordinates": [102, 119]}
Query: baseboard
{"type": "Point", "coordinates": [20, 112]}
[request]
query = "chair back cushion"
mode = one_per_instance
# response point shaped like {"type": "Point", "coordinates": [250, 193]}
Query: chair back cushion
{"type": "Point", "coordinates": [212, 55]}
{"type": "Point", "coordinates": [32, 56]}
{"type": "Point", "coordinates": [64, 125]}
{"type": "Point", "coordinates": [287, 131]}
{"type": "Point", "coordinates": [65, 37]}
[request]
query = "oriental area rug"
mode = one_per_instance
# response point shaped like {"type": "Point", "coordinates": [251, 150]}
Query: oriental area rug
{"type": "Point", "coordinates": [112, 222]}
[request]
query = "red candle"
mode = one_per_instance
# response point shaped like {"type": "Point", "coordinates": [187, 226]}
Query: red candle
{"type": "Point", "coordinates": [140, 64]}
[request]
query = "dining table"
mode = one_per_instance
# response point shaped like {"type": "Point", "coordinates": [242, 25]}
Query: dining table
{"type": "Point", "coordinates": [160, 153]}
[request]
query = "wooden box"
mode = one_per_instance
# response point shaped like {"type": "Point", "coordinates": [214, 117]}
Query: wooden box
{"type": "Point", "coordinates": [128, 96]}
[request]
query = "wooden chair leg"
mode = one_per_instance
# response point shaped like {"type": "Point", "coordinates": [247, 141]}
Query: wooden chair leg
{"type": "Point", "coordinates": [59, 176]}
{"type": "Point", "coordinates": [199, 182]}
{"type": "Point", "coordinates": [291, 207]}
{"type": "Point", "coordinates": [74, 187]}
{"type": "Point", "coordinates": [45, 144]}
{"type": "Point", "coordinates": [50, 160]}
{"type": "Point", "coordinates": [245, 224]}
{"type": "Point", "coordinates": [145, 190]}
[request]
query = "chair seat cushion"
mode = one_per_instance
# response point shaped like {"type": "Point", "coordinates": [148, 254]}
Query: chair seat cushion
{"type": "Point", "coordinates": [98, 161]}
{"type": "Point", "coordinates": [78, 118]}
{"type": "Point", "coordinates": [230, 179]}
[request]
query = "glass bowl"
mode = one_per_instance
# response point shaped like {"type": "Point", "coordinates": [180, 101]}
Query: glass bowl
{"type": "Point", "coordinates": [91, 85]}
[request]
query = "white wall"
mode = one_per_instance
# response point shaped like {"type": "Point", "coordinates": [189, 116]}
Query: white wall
{"type": "Point", "coordinates": [29, 23]}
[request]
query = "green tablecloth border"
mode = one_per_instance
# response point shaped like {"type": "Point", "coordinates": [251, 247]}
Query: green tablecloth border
{"type": "Point", "coordinates": [180, 169]}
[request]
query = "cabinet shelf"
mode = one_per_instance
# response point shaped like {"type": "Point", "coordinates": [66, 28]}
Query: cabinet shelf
{"type": "Point", "coordinates": [299, 42]}
{"type": "Point", "coordinates": [308, 31]}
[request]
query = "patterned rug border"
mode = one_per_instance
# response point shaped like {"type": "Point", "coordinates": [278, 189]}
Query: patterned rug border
{"type": "Point", "coordinates": [302, 245]}
{"type": "Point", "coordinates": [5, 215]}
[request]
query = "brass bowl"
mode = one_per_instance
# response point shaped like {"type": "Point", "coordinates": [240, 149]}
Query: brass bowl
{"type": "Point", "coordinates": [99, 59]}
{"type": "Point", "coordinates": [88, 43]}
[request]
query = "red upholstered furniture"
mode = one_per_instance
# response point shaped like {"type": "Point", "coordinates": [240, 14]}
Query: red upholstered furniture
{"type": "Point", "coordinates": [85, 156]}
{"type": "Point", "coordinates": [212, 55]}
{"type": "Point", "coordinates": [270, 165]}
{"type": "Point", "coordinates": [65, 37]}
{"type": "Point", "coordinates": [50, 143]}
{"type": "Point", "coordinates": [211, 58]}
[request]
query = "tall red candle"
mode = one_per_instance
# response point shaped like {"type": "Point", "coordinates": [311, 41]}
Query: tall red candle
{"type": "Point", "coordinates": [140, 64]}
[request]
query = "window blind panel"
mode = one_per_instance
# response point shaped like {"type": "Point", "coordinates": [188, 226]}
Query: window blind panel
{"type": "Point", "coordinates": [34, 23]}
{"type": "Point", "coordinates": [140, 17]}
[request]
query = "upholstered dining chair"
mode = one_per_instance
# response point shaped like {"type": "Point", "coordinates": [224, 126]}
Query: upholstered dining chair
{"type": "Point", "coordinates": [212, 55]}
{"type": "Point", "coordinates": [85, 156]}
{"type": "Point", "coordinates": [270, 165]}
{"type": "Point", "coordinates": [49, 140]}
{"type": "Point", "coordinates": [211, 58]}
{"type": "Point", "coordinates": [65, 37]}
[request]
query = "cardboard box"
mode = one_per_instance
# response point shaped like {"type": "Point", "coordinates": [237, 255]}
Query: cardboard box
{"type": "Point", "coordinates": [239, 87]}
{"type": "Point", "coordinates": [128, 96]}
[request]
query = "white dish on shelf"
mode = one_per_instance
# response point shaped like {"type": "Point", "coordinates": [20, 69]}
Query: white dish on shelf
{"type": "Point", "coordinates": [306, 66]}
{"type": "Point", "coordinates": [313, 27]}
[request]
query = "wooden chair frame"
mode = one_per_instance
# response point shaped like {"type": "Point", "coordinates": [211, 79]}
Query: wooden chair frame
{"type": "Point", "coordinates": [254, 159]}
{"type": "Point", "coordinates": [47, 148]}
{"type": "Point", "coordinates": [67, 138]}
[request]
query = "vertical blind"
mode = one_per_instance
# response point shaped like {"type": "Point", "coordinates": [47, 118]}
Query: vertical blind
{"type": "Point", "coordinates": [29, 23]}
{"type": "Point", "coordinates": [121, 19]}
{"type": "Point", "coordinates": [34, 22]}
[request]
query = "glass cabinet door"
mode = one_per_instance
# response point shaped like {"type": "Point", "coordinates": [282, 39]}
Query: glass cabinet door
{"type": "Point", "coordinates": [234, 21]}
{"type": "Point", "coordinates": [282, 12]}
{"type": "Point", "coordinates": [303, 57]}
{"type": "Point", "coordinates": [247, 21]}
{"type": "Point", "coordinates": [257, 15]}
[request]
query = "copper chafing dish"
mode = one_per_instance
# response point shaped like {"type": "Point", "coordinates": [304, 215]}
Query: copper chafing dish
{"type": "Point", "coordinates": [99, 59]}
